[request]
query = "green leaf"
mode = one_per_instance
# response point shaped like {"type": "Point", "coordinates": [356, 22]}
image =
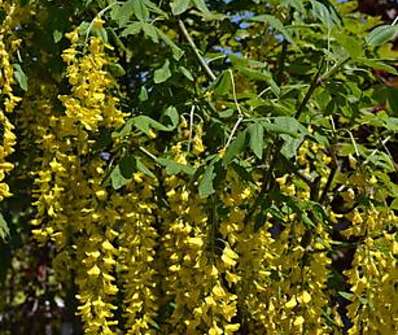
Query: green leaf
{"type": "Point", "coordinates": [121, 14]}
{"type": "Point", "coordinates": [57, 36]}
{"type": "Point", "coordinates": [132, 29]}
{"type": "Point", "coordinates": [142, 168]}
{"type": "Point", "coordinates": [127, 166]}
{"type": "Point", "coordinates": [173, 168]}
{"type": "Point", "coordinates": [144, 123]}
{"type": "Point", "coordinates": [206, 187]}
{"type": "Point", "coordinates": [325, 12]}
{"type": "Point", "coordinates": [150, 31]}
{"type": "Point", "coordinates": [101, 33]}
{"type": "Point", "coordinates": [391, 123]}
{"type": "Point", "coordinates": [382, 161]}
{"type": "Point", "coordinates": [201, 5]}
{"type": "Point", "coordinates": [394, 204]}
{"type": "Point", "coordinates": [20, 77]}
{"type": "Point", "coordinates": [154, 8]}
{"type": "Point", "coordinates": [262, 75]}
{"type": "Point", "coordinates": [285, 125]}
{"type": "Point", "coordinates": [180, 6]}
{"type": "Point", "coordinates": [256, 132]}
{"type": "Point", "coordinates": [122, 173]}
{"type": "Point", "coordinates": [163, 73]}
{"type": "Point", "coordinates": [235, 148]}
{"type": "Point", "coordinates": [378, 65]}
{"type": "Point", "coordinates": [296, 4]}
{"type": "Point", "coordinates": [170, 118]}
{"type": "Point", "coordinates": [140, 10]}
{"type": "Point", "coordinates": [186, 73]}
{"type": "Point", "coordinates": [351, 45]}
{"type": "Point", "coordinates": [346, 295]}
{"type": "Point", "coordinates": [254, 70]}
{"type": "Point", "coordinates": [177, 52]}
{"type": "Point", "coordinates": [275, 23]}
{"type": "Point", "coordinates": [83, 28]}
{"type": "Point", "coordinates": [117, 70]}
{"type": "Point", "coordinates": [4, 230]}
{"type": "Point", "coordinates": [226, 113]}
{"type": "Point", "coordinates": [273, 210]}
{"type": "Point", "coordinates": [117, 179]}
{"type": "Point", "coordinates": [381, 35]}
{"type": "Point", "coordinates": [143, 96]}
{"type": "Point", "coordinates": [290, 146]}
{"type": "Point", "coordinates": [243, 170]}
{"type": "Point", "coordinates": [223, 84]}
{"type": "Point", "coordinates": [306, 220]}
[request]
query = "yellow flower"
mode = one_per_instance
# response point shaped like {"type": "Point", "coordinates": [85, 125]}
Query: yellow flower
{"type": "Point", "coordinates": [231, 328]}
{"type": "Point", "coordinates": [198, 146]}
{"type": "Point", "coordinates": [229, 257]}
{"type": "Point", "coordinates": [215, 330]}
{"type": "Point", "coordinates": [94, 271]}
{"type": "Point", "coordinates": [195, 241]}
{"type": "Point", "coordinates": [291, 303]}
{"type": "Point", "coordinates": [299, 321]}
{"type": "Point", "coordinates": [106, 245]}
{"type": "Point", "coordinates": [232, 278]}
{"type": "Point", "coordinates": [373, 180]}
{"type": "Point", "coordinates": [218, 291]}
{"type": "Point", "coordinates": [98, 23]}
{"type": "Point", "coordinates": [304, 298]}
{"type": "Point", "coordinates": [101, 195]}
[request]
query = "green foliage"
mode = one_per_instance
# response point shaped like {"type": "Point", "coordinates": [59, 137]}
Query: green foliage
{"type": "Point", "coordinates": [270, 94]}
{"type": "Point", "coordinates": [4, 230]}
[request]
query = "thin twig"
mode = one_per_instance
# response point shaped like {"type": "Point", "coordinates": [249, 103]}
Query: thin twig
{"type": "Point", "coordinates": [314, 84]}
{"type": "Point", "coordinates": [335, 167]}
{"type": "Point", "coordinates": [234, 93]}
{"type": "Point", "coordinates": [100, 13]}
{"type": "Point", "coordinates": [234, 129]}
{"type": "Point", "coordinates": [191, 115]}
{"type": "Point", "coordinates": [354, 143]}
{"type": "Point", "coordinates": [196, 50]}
{"type": "Point", "coordinates": [241, 117]}
{"type": "Point", "coordinates": [148, 153]}
{"type": "Point", "coordinates": [375, 150]}
{"type": "Point", "coordinates": [318, 80]}
{"type": "Point", "coordinates": [267, 180]}
{"type": "Point", "coordinates": [329, 182]}
{"type": "Point", "coordinates": [264, 91]}
{"type": "Point", "coordinates": [283, 54]}
{"type": "Point", "coordinates": [389, 152]}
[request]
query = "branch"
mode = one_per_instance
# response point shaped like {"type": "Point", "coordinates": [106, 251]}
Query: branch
{"type": "Point", "coordinates": [196, 50]}
{"type": "Point", "coordinates": [283, 54]}
{"type": "Point", "coordinates": [314, 84]}
{"type": "Point", "coordinates": [317, 81]}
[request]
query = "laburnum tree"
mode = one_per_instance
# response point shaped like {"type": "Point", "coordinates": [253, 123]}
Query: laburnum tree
{"type": "Point", "coordinates": [197, 167]}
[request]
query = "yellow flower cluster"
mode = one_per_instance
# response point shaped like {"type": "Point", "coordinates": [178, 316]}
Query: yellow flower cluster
{"type": "Point", "coordinates": [374, 273]}
{"type": "Point", "coordinates": [155, 258]}
{"type": "Point", "coordinates": [89, 103]}
{"type": "Point", "coordinates": [95, 278]}
{"type": "Point", "coordinates": [184, 254]}
{"type": "Point", "coordinates": [137, 245]}
{"type": "Point", "coordinates": [8, 44]}
{"type": "Point", "coordinates": [72, 207]}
